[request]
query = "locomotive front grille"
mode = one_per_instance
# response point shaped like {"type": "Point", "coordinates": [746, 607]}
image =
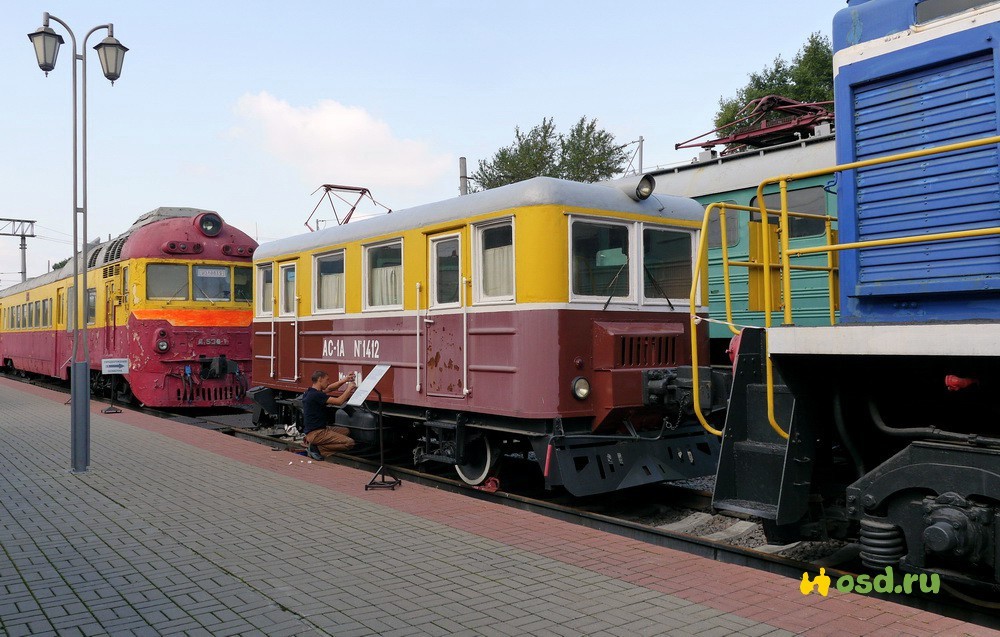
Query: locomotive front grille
{"type": "Point", "coordinates": [200, 393]}
{"type": "Point", "coordinates": [645, 351]}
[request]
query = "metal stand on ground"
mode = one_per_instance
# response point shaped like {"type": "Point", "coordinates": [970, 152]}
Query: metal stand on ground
{"type": "Point", "coordinates": [381, 480]}
{"type": "Point", "coordinates": [112, 409]}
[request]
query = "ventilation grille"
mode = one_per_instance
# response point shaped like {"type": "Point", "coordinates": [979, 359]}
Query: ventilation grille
{"type": "Point", "coordinates": [114, 251]}
{"type": "Point", "coordinates": [112, 270]}
{"type": "Point", "coordinates": [211, 393]}
{"type": "Point", "coordinates": [645, 351]}
{"type": "Point", "coordinates": [941, 193]}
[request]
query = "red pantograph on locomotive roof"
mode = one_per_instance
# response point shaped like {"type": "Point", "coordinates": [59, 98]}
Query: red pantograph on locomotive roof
{"type": "Point", "coordinates": [172, 295]}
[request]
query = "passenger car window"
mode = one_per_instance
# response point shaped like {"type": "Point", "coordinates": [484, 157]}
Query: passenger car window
{"type": "Point", "coordinates": [330, 281]}
{"type": "Point", "coordinates": [384, 275]}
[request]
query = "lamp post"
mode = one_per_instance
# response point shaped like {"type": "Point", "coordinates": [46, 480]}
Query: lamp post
{"type": "Point", "coordinates": [112, 54]}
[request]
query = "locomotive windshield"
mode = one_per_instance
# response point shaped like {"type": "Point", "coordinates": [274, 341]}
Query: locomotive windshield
{"type": "Point", "coordinates": [167, 282]}
{"type": "Point", "coordinates": [211, 283]}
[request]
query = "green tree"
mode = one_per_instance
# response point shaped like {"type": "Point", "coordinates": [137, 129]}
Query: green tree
{"type": "Point", "coordinates": [809, 78]}
{"type": "Point", "coordinates": [586, 153]}
{"type": "Point", "coordinates": [59, 264]}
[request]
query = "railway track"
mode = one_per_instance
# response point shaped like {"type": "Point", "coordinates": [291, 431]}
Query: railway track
{"type": "Point", "coordinates": [673, 516]}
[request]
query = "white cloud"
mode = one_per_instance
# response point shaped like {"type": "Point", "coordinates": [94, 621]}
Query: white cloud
{"type": "Point", "coordinates": [334, 143]}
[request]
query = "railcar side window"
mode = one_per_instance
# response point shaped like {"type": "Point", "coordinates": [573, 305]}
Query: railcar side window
{"type": "Point", "coordinates": [211, 283]}
{"type": "Point", "coordinates": [330, 281]}
{"type": "Point", "coordinates": [167, 282]}
{"type": "Point", "coordinates": [91, 306]}
{"type": "Point", "coordinates": [600, 260]}
{"type": "Point", "coordinates": [384, 268]}
{"type": "Point", "coordinates": [45, 313]}
{"type": "Point", "coordinates": [496, 262]}
{"type": "Point", "coordinates": [265, 290]}
{"type": "Point", "coordinates": [38, 314]}
{"type": "Point", "coordinates": [810, 200]}
{"type": "Point", "coordinates": [287, 291]}
{"type": "Point", "coordinates": [70, 309]}
{"type": "Point", "coordinates": [666, 264]}
{"type": "Point", "coordinates": [445, 284]}
{"type": "Point", "coordinates": [242, 284]}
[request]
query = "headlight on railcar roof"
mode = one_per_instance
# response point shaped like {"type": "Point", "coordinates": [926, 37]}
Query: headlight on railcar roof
{"type": "Point", "coordinates": [581, 388]}
{"type": "Point", "coordinates": [210, 224]}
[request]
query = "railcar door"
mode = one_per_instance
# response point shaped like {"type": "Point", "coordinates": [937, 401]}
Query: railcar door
{"type": "Point", "coordinates": [445, 320]}
{"type": "Point", "coordinates": [286, 347]}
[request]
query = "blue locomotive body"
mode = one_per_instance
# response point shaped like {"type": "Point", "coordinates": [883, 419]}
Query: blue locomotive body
{"type": "Point", "coordinates": [882, 429]}
{"type": "Point", "coordinates": [910, 76]}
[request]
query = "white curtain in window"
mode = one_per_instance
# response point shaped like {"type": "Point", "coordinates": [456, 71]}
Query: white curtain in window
{"type": "Point", "coordinates": [331, 291]}
{"type": "Point", "coordinates": [386, 286]}
{"type": "Point", "coordinates": [498, 271]}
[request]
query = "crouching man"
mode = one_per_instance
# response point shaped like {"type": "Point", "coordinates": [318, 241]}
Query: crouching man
{"type": "Point", "coordinates": [324, 440]}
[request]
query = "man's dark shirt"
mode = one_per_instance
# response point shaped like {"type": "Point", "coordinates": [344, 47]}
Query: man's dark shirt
{"type": "Point", "coordinates": [313, 409]}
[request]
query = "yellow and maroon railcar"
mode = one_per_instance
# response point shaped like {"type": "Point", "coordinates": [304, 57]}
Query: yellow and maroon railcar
{"type": "Point", "coordinates": [546, 317]}
{"type": "Point", "coordinates": [173, 295]}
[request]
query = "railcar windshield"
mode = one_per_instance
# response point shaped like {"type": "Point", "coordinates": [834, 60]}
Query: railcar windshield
{"type": "Point", "coordinates": [666, 263]}
{"type": "Point", "coordinates": [600, 259]}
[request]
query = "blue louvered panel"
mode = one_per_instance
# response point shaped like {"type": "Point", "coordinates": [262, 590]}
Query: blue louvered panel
{"type": "Point", "coordinates": [956, 191]}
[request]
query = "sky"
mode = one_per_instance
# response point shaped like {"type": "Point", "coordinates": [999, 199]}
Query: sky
{"type": "Point", "coordinates": [246, 108]}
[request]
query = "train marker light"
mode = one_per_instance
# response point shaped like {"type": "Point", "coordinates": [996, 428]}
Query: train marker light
{"type": "Point", "coordinates": [581, 388]}
{"type": "Point", "coordinates": [46, 43]}
{"type": "Point", "coordinates": [162, 346]}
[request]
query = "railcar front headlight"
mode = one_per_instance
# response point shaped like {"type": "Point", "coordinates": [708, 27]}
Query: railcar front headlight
{"type": "Point", "coordinates": [162, 346]}
{"type": "Point", "coordinates": [581, 388]}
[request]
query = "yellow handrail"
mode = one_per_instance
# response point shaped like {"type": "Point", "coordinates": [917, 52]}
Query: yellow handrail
{"type": "Point", "coordinates": [701, 259]}
{"type": "Point", "coordinates": [787, 253]}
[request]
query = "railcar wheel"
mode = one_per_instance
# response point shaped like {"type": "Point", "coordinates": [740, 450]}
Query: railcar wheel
{"type": "Point", "coordinates": [481, 455]}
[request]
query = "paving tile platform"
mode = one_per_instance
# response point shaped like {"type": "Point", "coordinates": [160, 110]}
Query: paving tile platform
{"type": "Point", "coordinates": [186, 531]}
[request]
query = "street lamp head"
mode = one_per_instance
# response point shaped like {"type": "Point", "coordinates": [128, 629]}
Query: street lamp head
{"type": "Point", "coordinates": [112, 55]}
{"type": "Point", "coordinates": [46, 43]}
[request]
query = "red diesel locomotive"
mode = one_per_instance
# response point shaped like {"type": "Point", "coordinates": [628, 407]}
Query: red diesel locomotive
{"type": "Point", "coordinates": [172, 295]}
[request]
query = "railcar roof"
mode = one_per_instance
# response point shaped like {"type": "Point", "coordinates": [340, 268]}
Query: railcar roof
{"type": "Point", "coordinates": [157, 214]}
{"type": "Point", "coordinates": [539, 191]}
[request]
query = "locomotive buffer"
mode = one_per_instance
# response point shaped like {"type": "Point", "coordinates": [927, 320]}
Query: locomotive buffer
{"type": "Point", "coordinates": [380, 480]}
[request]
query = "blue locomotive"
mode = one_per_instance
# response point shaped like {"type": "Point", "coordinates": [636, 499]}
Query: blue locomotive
{"type": "Point", "coordinates": [885, 427]}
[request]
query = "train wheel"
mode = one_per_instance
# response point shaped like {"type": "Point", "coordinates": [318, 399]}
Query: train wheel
{"type": "Point", "coordinates": [481, 456]}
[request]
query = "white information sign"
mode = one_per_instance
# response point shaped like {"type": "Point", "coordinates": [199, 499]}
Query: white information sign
{"type": "Point", "coordinates": [114, 365]}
